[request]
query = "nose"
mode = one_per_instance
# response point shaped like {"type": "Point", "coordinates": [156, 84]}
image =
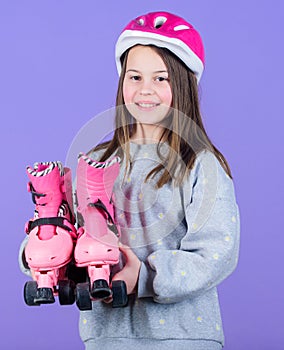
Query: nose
{"type": "Point", "coordinates": [146, 87]}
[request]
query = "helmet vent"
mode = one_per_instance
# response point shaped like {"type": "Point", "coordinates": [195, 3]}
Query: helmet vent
{"type": "Point", "coordinates": [181, 27]}
{"type": "Point", "coordinates": [159, 21]}
{"type": "Point", "coordinates": [140, 21]}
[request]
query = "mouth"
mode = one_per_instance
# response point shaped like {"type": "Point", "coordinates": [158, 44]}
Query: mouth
{"type": "Point", "coordinates": [146, 105]}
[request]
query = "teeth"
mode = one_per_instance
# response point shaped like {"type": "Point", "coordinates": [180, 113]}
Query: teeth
{"type": "Point", "coordinates": [147, 105]}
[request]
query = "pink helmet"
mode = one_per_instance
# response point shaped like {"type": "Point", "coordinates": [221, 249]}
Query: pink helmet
{"type": "Point", "coordinates": [164, 29]}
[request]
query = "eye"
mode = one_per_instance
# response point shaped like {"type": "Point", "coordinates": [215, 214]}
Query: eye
{"type": "Point", "coordinates": [135, 78]}
{"type": "Point", "coordinates": [161, 79]}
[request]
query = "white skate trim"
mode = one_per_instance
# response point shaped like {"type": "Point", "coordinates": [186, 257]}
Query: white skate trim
{"type": "Point", "coordinates": [96, 164]}
{"type": "Point", "coordinates": [51, 165]}
{"type": "Point", "coordinates": [63, 210]}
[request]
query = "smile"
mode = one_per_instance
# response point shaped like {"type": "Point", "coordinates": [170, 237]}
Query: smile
{"type": "Point", "coordinates": [147, 105]}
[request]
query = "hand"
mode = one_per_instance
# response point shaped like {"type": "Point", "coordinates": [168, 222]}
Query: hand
{"type": "Point", "coordinates": [130, 272]}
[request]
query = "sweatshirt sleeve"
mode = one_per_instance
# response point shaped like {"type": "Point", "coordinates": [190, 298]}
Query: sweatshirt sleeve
{"type": "Point", "coordinates": [208, 253]}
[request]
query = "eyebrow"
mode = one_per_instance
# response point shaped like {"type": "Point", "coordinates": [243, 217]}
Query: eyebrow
{"type": "Point", "coordinates": [137, 71]}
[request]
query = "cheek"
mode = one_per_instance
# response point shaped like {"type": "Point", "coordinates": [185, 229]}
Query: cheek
{"type": "Point", "coordinates": [167, 96]}
{"type": "Point", "coordinates": [127, 94]}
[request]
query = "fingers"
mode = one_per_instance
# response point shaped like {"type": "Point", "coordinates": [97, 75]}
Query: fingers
{"type": "Point", "coordinates": [123, 247]}
{"type": "Point", "coordinates": [119, 276]}
{"type": "Point", "coordinates": [127, 251]}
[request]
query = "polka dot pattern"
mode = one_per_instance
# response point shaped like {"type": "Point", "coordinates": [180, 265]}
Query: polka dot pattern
{"type": "Point", "coordinates": [194, 226]}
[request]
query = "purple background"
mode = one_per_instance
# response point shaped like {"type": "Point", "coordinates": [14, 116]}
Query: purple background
{"type": "Point", "coordinates": [58, 71]}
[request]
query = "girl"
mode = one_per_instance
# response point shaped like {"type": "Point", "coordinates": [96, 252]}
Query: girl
{"type": "Point", "coordinates": [174, 197]}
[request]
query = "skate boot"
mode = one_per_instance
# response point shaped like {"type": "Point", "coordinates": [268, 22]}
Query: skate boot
{"type": "Point", "coordinates": [51, 235]}
{"type": "Point", "coordinates": [98, 237]}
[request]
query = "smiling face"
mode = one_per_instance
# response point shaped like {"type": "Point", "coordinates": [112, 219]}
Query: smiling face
{"type": "Point", "coordinates": [146, 91]}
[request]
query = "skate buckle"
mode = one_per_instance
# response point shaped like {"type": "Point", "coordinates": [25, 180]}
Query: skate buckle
{"type": "Point", "coordinates": [34, 193]}
{"type": "Point", "coordinates": [111, 224]}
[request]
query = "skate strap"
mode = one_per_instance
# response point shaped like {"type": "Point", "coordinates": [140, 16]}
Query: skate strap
{"type": "Point", "coordinates": [100, 205]}
{"type": "Point", "coordinates": [57, 221]}
{"type": "Point", "coordinates": [35, 194]}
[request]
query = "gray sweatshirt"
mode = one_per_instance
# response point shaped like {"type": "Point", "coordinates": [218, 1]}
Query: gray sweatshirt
{"type": "Point", "coordinates": [187, 238]}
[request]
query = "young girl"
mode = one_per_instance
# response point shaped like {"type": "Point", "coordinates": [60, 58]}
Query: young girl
{"type": "Point", "coordinates": [174, 198]}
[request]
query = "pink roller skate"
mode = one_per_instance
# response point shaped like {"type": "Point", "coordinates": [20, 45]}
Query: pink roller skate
{"type": "Point", "coordinates": [97, 243]}
{"type": "Point", "coordinates": [51, 235]}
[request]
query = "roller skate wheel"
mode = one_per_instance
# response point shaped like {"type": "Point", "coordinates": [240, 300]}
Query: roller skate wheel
{"type": "Point", "coordinates": [66, 292]}
{"type": "Point", "coordinates": [83, 299]}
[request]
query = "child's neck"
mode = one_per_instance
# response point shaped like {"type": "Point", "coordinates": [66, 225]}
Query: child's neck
{"type": "Point", "coordinates": [147, 134]}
